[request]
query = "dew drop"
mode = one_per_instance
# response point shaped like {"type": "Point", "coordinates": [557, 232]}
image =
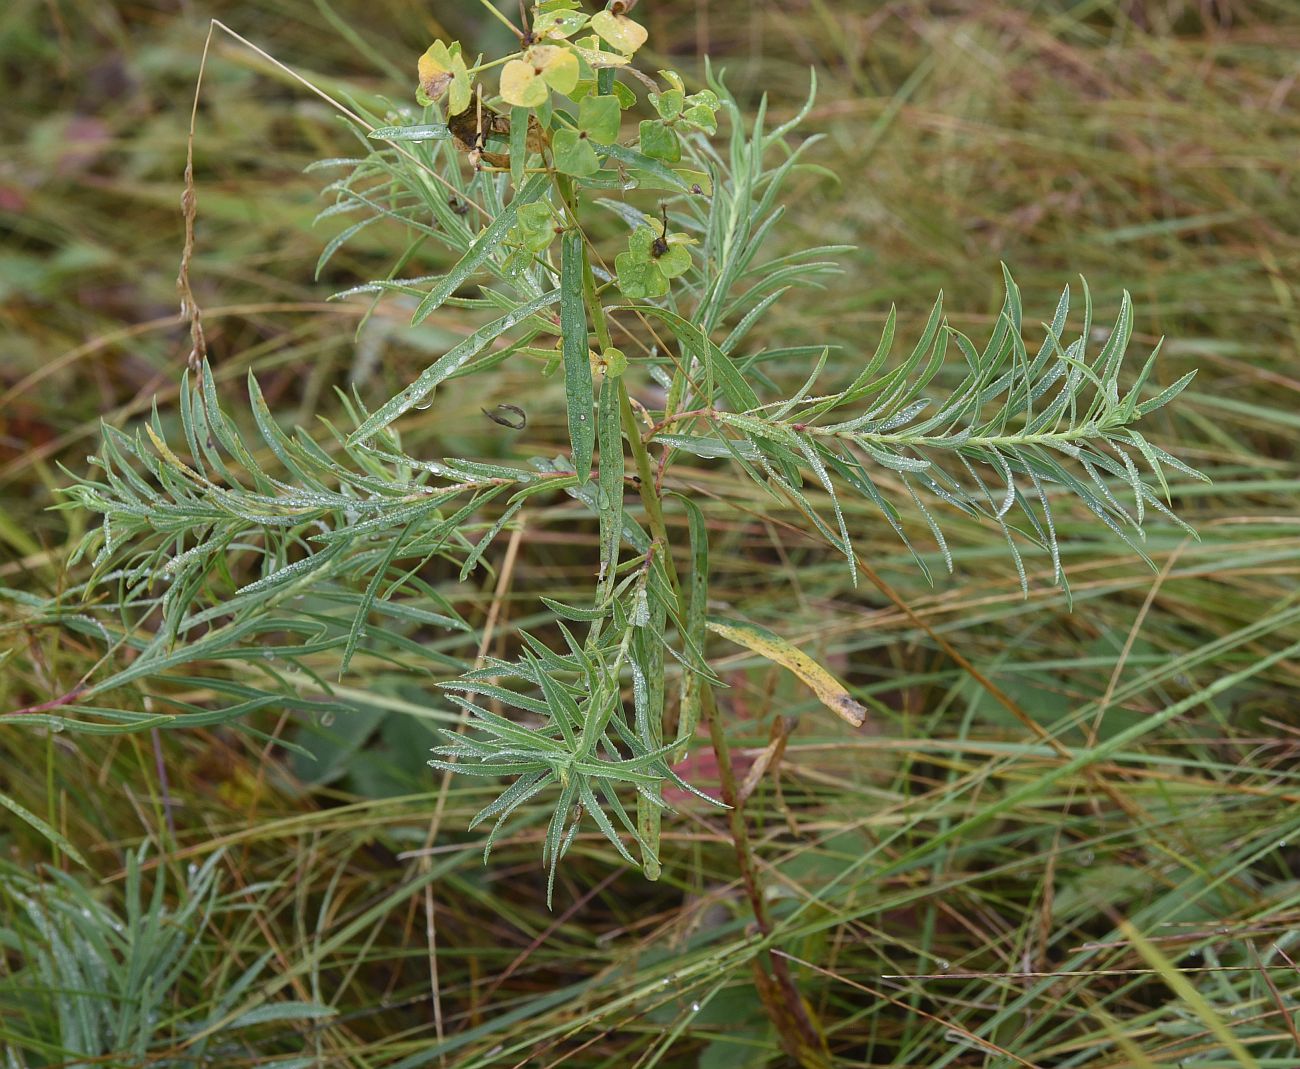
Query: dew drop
{"type": "Point", "coordinates": [424, 407]}
{"type": "Point", "coordinates": [944, 964]}
{"type": "Point", "coordinates": [327, 720]}
{"type": "Point", "coordinates": [56, 726]}
{"type": "Point", "coordinates": [695, 1007]}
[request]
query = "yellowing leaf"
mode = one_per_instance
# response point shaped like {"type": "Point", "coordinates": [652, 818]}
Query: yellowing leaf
{"type": "Point", "coordinates": [525, 82]}
{"type": "Point", "coordinates": [559, 24]}
{"type": "Point", "coordinates": [596, 59]}
{"type": "Point", "coordinates": [620, 31]}
{"type": "Point", "coordinates": [441, 69]}
{"type": "Point", "coordinates": [435, 70]}
{"type": "Point", "coordinates": [674, 79]}
{"type": "Point", "coordinates": [829, 690]}
{"type": "Point", "coordinates": [458, 96]}
{"type": "Point", "coordinates": [557, 66]}
{"type": "Point", "coordinates": [520, 85]}
{"type": "Point", "coordinates": [164, 451]}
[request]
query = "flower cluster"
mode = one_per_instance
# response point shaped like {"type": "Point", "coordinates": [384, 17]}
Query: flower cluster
{"type": "Point", "coordinates": [559, 108]}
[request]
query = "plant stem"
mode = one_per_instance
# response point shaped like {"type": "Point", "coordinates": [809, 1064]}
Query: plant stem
{"type": "Point", "coordinates": [790, 1015]}
{"type": "Point", "coordinates": [799, 1033]}
{"type": "Point", "coordinates": [501, 18]}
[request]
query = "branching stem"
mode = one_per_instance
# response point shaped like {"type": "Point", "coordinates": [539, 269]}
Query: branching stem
{"type": "Point", "coordinates": [776, 987]}
{"type": "Point", "coordinates": [993, 441]}
{"type": "Point", "coordinates": [777, 991]}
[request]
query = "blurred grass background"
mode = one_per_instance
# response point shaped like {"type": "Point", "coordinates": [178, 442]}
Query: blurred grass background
{"type": "Point", "coordinates": [1147, 145]}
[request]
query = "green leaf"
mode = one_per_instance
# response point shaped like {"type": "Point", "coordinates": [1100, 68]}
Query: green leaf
{"type": "Point", "coordinates": [622, 93]}
{"type": "Point", "coordinates": [574, 154]}
{"type": "Point", "coordinates": [609, 496]}
{"type": "Point", "coordinates": [368, 600]}
{"type": "Point", "coordinates": [535, 229]}
{"type": "Point", "coordinates": [438, 131]}
{"type": "Point", "coordinates": [699, 182]}
{"type": "Point", "coordinates": [639, 278]}
{"type": "Point", "coordinates": [615, 362]}
{"type": "Point", "coordinates": [701, 117]}
{"type": "Point", "coordinates": [658, 142]}
{"type": "Point", "coordinates": [668, 104]}
{"type": "Point", "coordinates": [577, 366]}
{"type": "Point", "coordinates": [1166, 395]}
{"type": "Point", "coordinates": [649, 173]}
{"type": "Point", "coordinates": [518, 145]}
{"type": "Point", "coordinates": [641, 241]}
{"type": "Point", "coordinates": [601, 118]}
{"type": "Point", "coordinates": [576, 612]}
{"type": "Point", "coordinates": [558, 23]}
{"type": "Point", "coordinates": [282, 1011]}
{"type": "Point", "coordinates": [673, 79]}
{"type": "Point", "coordinates": [27, 816]}
{"type": "Point", "coordinates": [676, 261]}
{"type": "Point", "coordinates": [701, 111]}
{"type": "Point", "coordinates": [707, 98]}
{"type": "Point", "coordinates": [688, 717]}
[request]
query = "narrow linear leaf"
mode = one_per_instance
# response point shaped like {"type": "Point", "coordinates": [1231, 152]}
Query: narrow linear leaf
{"type": "Point", "coordinates": [45, 829]}
{"type": "Point", "coordinates": [577, 367]}
{"type": "Point", "coordinates": [487, 243]}
{"type": "Point", "coordinates": [282, 1011]}
{"type": "Point", "coordinates": [829, 690]}
{"type": "Point", "coordinates": [610, 495]}
{"type": "Point", "coordinates": [688, 716]}
{"type": "Point", "coordinates": [664, 177]}
{"type": "Point", "coordinates": [518, 145]}
{"type": "Point", "coordinates": [437, 131]}
{"type": "Point", "coordinates": [1166, 395]}
{"type": "Point", "coordinates": [1188, 993]}
{"type": "Point", "coordinates": [358, 628]}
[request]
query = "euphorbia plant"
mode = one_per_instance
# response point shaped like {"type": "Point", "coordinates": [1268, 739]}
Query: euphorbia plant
{"type": "Point", "coordinates": [508, 167]}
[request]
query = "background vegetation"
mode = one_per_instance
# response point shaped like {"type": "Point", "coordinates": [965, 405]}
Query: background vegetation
{"type": "Point", "coordinates": [955, 888]}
